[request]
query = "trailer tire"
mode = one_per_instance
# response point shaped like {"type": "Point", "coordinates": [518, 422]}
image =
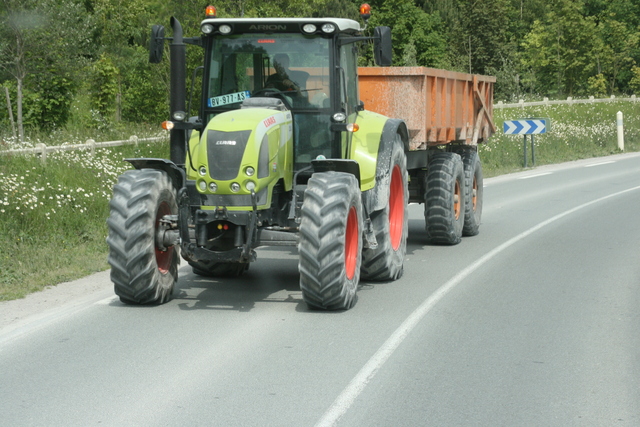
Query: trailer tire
{"type": "Point", "coordinates": [218, 269]}
{"type": "Point", "coordinates": [444, 209]}
{"type": "Point", "coordinates": [473, 193]}
{"type": "Point", "coordinates": [330, 241]}
{"type": "Point", "coordinates": [141, 272]}
{"type": "Point", "coordinates": [390, 224]}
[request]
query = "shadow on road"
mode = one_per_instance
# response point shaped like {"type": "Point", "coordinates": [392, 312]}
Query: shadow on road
{"type": "Point", "coordinates": [273, 278]}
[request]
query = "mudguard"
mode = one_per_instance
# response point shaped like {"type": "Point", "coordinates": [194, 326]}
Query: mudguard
{"type": "Point", "coordinates": [177, 175]}
{"type": "Point", "coordinates": [371, 147]}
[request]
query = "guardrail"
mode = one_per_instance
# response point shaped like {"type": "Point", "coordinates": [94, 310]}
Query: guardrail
{"type": "Point", "coordinates": [42, 150]}
{"type": "Point", "coordinates": [569, 101]}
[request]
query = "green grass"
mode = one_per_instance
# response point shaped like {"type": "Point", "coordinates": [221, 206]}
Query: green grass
{"type": "Point", "coordinates": [53, 216]}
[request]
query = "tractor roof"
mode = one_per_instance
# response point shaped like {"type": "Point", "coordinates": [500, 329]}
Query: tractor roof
{"type": "Point", "coordinates": [344, 25]}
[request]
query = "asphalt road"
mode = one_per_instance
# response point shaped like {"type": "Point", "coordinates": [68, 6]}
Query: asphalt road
{"type": "Point", "coordinates": [536, 321]}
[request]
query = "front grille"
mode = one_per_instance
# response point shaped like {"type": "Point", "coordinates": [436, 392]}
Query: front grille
{"type": "Point", "coordinates": [224, 153]}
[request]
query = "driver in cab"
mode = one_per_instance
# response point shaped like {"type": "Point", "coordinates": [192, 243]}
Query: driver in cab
{"type": "Point", "coordinates": [284, 79]}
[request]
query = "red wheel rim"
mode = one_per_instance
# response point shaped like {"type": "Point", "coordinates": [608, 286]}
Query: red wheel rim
{"type": "Point", "coordinates": [351, 244]}
{"type": "Point", "coordinates": [163, 258]}
{"type": "Point", "coordinates": [396, 208]}
{"type": "Point", "coordinates": [474, 197]}
{"type": "Point", "coordinates": [457, 200]}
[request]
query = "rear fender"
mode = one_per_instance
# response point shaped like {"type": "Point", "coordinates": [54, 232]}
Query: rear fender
{"type": "Point", "coordinates": [372, 150]}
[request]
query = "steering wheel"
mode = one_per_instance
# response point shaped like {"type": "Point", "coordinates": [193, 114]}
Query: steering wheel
{"type": "Point", "coordinates": [267, 91]}
{"type": "Point", "coordinates": [272, 92]}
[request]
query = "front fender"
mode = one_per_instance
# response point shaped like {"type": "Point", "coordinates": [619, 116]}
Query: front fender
{"type": "Point", "coordinates": [177, 174]}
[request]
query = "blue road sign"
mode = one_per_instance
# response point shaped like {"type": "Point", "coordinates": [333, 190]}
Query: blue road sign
{"type": "Point", "coordinates": [526, 126]}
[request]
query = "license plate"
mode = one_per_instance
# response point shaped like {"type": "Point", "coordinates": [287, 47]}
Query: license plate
{"type": "Point", "coordinates": [230, 98]}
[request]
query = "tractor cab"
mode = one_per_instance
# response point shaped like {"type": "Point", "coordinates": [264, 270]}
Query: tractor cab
{"type": "Point", "coordinates": [308, 64]}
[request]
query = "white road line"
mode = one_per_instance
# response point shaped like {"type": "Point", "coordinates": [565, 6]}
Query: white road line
{"type": "Point", "coordinates": [598, 164]}
{"type": "Point", "coordinates": [536, 175]}
{"type": "Point", "coordinates": [348, 396]}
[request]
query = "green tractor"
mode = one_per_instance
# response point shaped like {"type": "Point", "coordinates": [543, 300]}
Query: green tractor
{"type": "Point", "coordinates": [282, 152]}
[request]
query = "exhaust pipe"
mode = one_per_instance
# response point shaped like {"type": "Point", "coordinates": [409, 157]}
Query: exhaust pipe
{"type": "Point", "coordinates": [178, 93]}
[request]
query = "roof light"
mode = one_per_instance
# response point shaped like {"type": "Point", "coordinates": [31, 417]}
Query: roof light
{"type": "Point", "coordinates": [207, 28]}
{"type": "Point", "coordinates": [365, 11]}
{"type": "Point", "coordinates": [309, 28]}
{"type": "Point", "coordinates": [210, 12]}
{"type": "Point", "coordinates": [224, 29]}
{"type": "Point", "coordinates": [328, 28]}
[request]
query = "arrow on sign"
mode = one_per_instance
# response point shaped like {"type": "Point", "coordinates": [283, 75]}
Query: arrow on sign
{"type": "Point", "coordinates": [525, 126]}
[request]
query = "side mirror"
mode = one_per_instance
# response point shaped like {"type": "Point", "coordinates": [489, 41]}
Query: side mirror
{"type": "Point", "coordinates": [382, 48]}
{"type": "Point", "coordinates": [156, 44]}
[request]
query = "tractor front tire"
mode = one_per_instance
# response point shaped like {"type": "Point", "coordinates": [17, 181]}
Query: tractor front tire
{"type": "Point", "coordinates": [142, 272]}
{"type": "Point", "coordinates": [330, 241]}
{"type": "Point", "coordinates": [444, 209]}
{"type": "Point", "coordinates": [390, 224]}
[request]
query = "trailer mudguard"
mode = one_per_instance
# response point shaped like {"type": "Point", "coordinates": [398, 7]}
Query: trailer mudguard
{"type": "Point", "coordinates": [372, 150]}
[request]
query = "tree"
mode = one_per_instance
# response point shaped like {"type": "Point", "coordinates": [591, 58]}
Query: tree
{"type": "Point", "coordinates": [417, 36]}
{"type": "Point", "coordinates": [41, 45]}
{"type": "Point", "coordinates": [560, 49]}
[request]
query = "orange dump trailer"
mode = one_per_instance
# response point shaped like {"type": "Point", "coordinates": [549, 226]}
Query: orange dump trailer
{"type": "Point", "coordinates": [438, 106]}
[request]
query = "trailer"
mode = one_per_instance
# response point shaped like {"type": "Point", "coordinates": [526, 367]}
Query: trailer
{"type": "Point", "coordinates": [438, 106]}
{"type": "Point", "coordinates": [294, 145]}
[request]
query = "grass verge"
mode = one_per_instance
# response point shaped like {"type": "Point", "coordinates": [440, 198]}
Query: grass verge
{"type": "Point", "coordinates": [53, 216]}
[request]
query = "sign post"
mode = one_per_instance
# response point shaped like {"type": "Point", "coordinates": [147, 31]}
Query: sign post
{"type": "Point", "coordinates": [527, 127]}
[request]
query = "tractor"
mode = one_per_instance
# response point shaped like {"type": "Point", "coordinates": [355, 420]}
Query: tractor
{"type": "Point", "coordinates": [282, 152]}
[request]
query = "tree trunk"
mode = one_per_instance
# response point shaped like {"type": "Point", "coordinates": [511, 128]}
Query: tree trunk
{"type": "Point", "coordinates": [19, 101]}
{"type": "Point", "coordinates": [10, 109]}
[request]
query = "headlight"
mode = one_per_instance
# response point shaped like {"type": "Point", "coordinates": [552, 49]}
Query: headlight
{"type": "Point", "coordinates": [179, 116]}
{"type": "Point", "coordinates": [328, 28]}
{"type": "Point", "coordinates": [339, 117]}
{"type": "Point", "coordinates": [202, 170]}
{"type": "Point", "coordinates": [235, 187]}
{"type": "Point", "coordinates": [250, 186]}
{"type": "Point", "coordinates": [250, 171]}
{"type": "Point", "coordinates": [202, 185]}
{"type": "Point", "coordinates": [309, 28]}
{"type": "Point", "coordinates": [213, 187]}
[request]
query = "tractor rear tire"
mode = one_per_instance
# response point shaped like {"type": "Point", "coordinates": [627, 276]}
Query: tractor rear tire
{"type": "Point", "coordinates": [218, 269]}
{"type": "Point", "coordinates": [473, 193]}
{"type": "Point", "coordinates": [331, 241]}
{"type": "Point", "coordinates": [390, 224]}
{"type": "Point", "coordinates": [142, 273]}
{"type": "Point", "coordinates": [444, 209]}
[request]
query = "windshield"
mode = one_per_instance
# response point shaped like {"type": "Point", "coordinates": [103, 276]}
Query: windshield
{"type": "Point", "coordinates": [254, 64]}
